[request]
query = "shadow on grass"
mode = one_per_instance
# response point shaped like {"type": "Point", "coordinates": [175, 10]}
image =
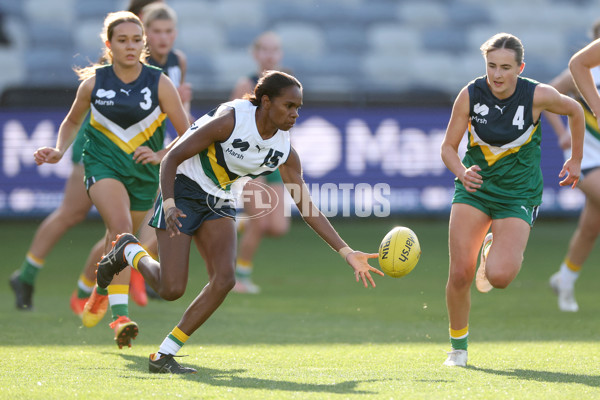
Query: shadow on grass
{"type": "Point", "coordinates": [231, 378]}
{"type": "Point", "coordinates": [544, 376]}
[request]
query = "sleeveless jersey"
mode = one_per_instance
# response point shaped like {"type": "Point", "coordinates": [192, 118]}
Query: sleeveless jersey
{"type": "Point", "coordinates": [124, 117]}
{"type": "Point", "coordinates": [504, 141]}
{"type": "Point", "coordinates": [591, 146]}
{"type": "Point", "coordinates": [244, 154]}
{"type": "Point", "coordinates": [171, 68]}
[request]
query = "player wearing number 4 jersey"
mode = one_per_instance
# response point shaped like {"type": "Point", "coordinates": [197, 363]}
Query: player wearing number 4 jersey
{"type": "Point", "coordinates": [498, 182]}
{"type": "Point", "coordinates": [242, 138]}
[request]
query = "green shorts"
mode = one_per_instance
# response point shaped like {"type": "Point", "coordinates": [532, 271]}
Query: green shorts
{"type": "Point", "coordinates": [77, 148]}
{"type": "Point", "coordinates": [141, 192]}
{"type": "Point", "coordinates": [496, 209]}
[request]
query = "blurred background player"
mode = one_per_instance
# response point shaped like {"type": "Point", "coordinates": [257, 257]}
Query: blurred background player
{"type": "Point", "coordinates": [137, 6]}
{"type": "Point", "coordinates": [588, 227]}
{"type": "Point", "coordinates": [129, 103]}
{"type": "Point", "coordinates": [160, 22]}
{"type": "Point", "coordinates": [267, 52]}
{"type": "Point", "coordinates": [498, 183]}
{"type": "Point", "coordinates": [73, 209]}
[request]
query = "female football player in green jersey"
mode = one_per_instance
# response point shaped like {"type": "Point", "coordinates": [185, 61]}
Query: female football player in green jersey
{"type": "Point", "coordinates": [242, 138]}
{"type": "Point", "coordinates": [498, 183]}
{"type": "Point", "coordinates": [588, 228]}
{"type": "Point", "coordinates": [128, 103]}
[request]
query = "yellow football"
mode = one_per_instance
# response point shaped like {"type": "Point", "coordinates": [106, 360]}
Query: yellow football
{"type": "Point", "coordinates": [399, 252]}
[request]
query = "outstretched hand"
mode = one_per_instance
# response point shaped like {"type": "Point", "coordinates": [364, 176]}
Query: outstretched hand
{"type": "Point", "coordinates": [572, 170]}
{"type": "Point", "coordinates": [172, 216]}
{"type": "Point", "coordinates": [47, 155]}
{"type": "Point", "coordinates": [359, 261]}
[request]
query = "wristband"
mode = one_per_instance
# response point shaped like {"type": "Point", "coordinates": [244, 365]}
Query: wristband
{"type": "Point", "coordinates": [344, 251]}
{"type": "Point", "coordinates": [168, 204]}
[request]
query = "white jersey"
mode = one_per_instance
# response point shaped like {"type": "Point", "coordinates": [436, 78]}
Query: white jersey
{"type": "Point", "coordinates": [591, 140]}
{"type": "Point", "coordinates": [244, 153]}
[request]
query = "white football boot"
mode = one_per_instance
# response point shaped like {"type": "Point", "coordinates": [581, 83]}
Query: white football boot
{"type": "Point", "coordinates": [456, 358]}
{"type": "Point", "coordinates": [566, 295]}
{"type": "Point", "coordinates": [481, 281]}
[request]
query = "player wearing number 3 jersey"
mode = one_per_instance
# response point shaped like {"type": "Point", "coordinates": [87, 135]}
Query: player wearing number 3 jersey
{"type": "Point", "coordinates": [499, 181]}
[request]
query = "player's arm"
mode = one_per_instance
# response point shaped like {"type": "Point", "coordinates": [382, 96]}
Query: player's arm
{"type": "Point", "coordinates": [458, 124]}
{"type": "Point", "coordinates": [216, 130]}
{"type": "Point", "coordinates": [549, 99]}
{"type": "Point", "coordinates": [170, 103]}
{"type": "Point", "coordinates": [565, 85]}
{"type": "Point", "coordinates": [70, 125]}
{"type": "Point", "coordinates": [184, 89]}
{"type": "Point", "coordinates": [291, 174]}
{"type": "Point", "coordinates": [580, 65]}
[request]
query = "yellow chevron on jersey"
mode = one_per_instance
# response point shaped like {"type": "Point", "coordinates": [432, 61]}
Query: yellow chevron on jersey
{"type": "Point", "coordinates": [591, 123]}
{"type": "Point", "coordinates": [134, 136]}
{"type": "Point", "coordinates": [494, 153]}
{"type": "Point", "coordinates": [219, 172]}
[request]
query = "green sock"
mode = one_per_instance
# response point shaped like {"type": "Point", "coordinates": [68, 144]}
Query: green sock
{"type": "Point", "coordinates": [459, 338]}
{"type": "Point", "coordinates": [459, 344]}
{"type": "Point", "coordinates": [103, 292]}
{"type": "Point", "coordinates": [118, 298]}
{"type": "Point", "coordinates": [84, 287]}
{"type": "Point", "coordinates": [30, 269]}
{"type": "Point", "coordinates": [118, 310]}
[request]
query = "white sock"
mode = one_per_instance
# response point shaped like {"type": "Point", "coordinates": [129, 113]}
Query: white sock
{"type": "Point", "coordinates": [567, 276]}
{"type": "Point", "coordinates": [132, 250]}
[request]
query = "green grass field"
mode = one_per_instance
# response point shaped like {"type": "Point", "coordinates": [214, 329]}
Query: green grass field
{"type": "Point", "coordinates": [313, 333]}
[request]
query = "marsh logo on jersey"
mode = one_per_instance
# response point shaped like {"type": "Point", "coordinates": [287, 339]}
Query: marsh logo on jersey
{"type": "Point", "coordinates": [109, 94]}
{"type": "Point", "coordinates": [481, 109]}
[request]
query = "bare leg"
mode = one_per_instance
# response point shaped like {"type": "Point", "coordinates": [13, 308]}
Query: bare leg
{"type": "Point", "coordinates": [585, 235]}
{"type": "Point", "coordinates": [216, 241]}
{"type": "Point", "coordinates": [89, 270]}
{"type": "Point", "coordinates": [468, 227]}
{"type": "Point", "coordinates": [74, 208]}
{"type": "Point", "coordinates": [505, 257]}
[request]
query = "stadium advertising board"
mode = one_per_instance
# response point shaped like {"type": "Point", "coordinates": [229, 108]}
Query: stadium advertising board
{"type": "Point", "coordinates": [357, 162]}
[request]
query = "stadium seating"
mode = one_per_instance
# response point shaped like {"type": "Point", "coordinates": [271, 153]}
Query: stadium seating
{"type": "Point", "coordinates": [334, 46]}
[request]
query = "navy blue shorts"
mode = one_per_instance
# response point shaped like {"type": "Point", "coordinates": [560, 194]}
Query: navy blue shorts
{"type": "Point", "coordinates": [195, 203]}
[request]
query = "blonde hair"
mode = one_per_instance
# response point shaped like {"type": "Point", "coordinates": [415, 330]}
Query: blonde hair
{"type": "Point", "coordinates": [504, 41]}
{"type": "Point", "coordinates": [111, 21]}
{"type": "Point", "coordinates": [157, 11]}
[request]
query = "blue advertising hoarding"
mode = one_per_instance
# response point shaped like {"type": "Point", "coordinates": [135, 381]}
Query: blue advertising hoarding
{"type": "Point", "coordinates": [349, 156]}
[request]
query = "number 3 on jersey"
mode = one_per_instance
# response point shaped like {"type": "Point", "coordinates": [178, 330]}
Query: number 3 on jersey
{"type": "Point", "coordinates": [147, 103]}
{"type": "Point", "coordinates": [519, 119]}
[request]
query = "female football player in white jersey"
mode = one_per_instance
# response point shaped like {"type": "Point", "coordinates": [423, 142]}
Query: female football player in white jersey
{"type": "Point", "coordinates": [588, 228]}
{"type": "Point", "coordinates": [241, 138]}
{"type": "Point", "coordinates": [499, 182]}
{"type": "Point", "coordinates": [268, 53]}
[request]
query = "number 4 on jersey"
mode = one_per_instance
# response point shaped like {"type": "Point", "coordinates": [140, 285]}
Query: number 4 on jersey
{"type": "Point", "coordinates": [519, 119]}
